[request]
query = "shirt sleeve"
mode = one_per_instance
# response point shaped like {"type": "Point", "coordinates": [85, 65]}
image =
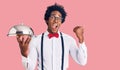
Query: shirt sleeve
{"type": "Point", "coordinates": [29, 63]}
{"type": "Point", "coordinates": [79, 54]}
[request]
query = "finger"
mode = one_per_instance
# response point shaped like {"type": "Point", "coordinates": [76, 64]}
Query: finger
{"type": "Point", "coordinates": [18, 39]}
{"type": "Point", "coordinates": [28, 40]}
{"type": "Point", "coordinates": [22, 40]}
{"type": "Point", "coordinates": [81, 27]}
{"type": "Point", "coordinates": [75, 29]}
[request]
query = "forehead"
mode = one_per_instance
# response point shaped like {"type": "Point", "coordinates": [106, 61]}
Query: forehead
{"type": "Point", "coordinates": [56, 13]}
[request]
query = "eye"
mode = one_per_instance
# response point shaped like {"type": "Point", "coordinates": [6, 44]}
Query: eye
{"type": "Point", "coordinates": [52, 17]}
{"type": "Point", "coordinates": [56, 17]}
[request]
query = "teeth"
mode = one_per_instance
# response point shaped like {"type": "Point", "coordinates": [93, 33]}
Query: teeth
{"type": "Point", "coordinates": [55, 25]}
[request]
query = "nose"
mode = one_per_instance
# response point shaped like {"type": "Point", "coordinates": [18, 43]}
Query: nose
{"type": "Point", "coordinates": [55, 20]}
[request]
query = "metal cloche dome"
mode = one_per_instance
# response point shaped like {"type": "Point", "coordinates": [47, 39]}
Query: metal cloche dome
{"type": "Point", "coordinates": [20, 30]}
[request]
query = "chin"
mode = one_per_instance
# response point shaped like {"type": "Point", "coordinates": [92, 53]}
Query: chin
{"type": "Point", "coordinates": [55, 31]}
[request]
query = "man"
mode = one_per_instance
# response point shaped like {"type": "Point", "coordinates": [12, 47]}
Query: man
{"type": "Point", "coordinates": [51, 49]}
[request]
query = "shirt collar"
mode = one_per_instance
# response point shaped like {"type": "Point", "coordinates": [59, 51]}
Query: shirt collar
{"type": "Point", "coordinates": [46, 33]}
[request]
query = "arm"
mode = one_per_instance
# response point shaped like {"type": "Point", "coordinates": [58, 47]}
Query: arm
{"type": "Point", "coordinates": [79, 53]}
{"type": "Point", "coordinates": [28, 52]}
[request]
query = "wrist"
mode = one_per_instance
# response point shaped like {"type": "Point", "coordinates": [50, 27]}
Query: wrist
{"type": "Point", "coordinates": [81, 39]}
{"type": "Point", "coordinates": [25, 54]}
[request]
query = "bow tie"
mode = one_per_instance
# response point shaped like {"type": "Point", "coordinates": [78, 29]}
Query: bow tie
{"type": "Point", "coordinates": [53, 35]}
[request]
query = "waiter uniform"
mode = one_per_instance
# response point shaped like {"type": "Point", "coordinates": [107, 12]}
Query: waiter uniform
{"type": "Point", "coordinates": [52, 53]}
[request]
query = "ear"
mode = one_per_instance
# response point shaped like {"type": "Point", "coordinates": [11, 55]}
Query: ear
{"type": "Point", "coordinates": [46, 22]}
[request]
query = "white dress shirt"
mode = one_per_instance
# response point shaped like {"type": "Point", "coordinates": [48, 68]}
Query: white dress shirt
{"type": "Point", "coordinates": [52, 51]}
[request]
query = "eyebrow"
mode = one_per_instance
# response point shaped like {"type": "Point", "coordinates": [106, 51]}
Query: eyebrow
{"type": "Point", "coordinates": [57, 15]}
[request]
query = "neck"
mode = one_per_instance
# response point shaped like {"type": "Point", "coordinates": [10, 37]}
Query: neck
{"type": "Point", "coordinates": [51, 31]}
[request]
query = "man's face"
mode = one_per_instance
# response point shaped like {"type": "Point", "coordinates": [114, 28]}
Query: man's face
{"type": "Point", "coordinates": [54, 21]}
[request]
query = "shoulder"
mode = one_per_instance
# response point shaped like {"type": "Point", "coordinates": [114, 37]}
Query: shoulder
{"type": "Point", "coordinates": [66, 36]}
{"type": "Point", "coordinates": [36, 38]}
